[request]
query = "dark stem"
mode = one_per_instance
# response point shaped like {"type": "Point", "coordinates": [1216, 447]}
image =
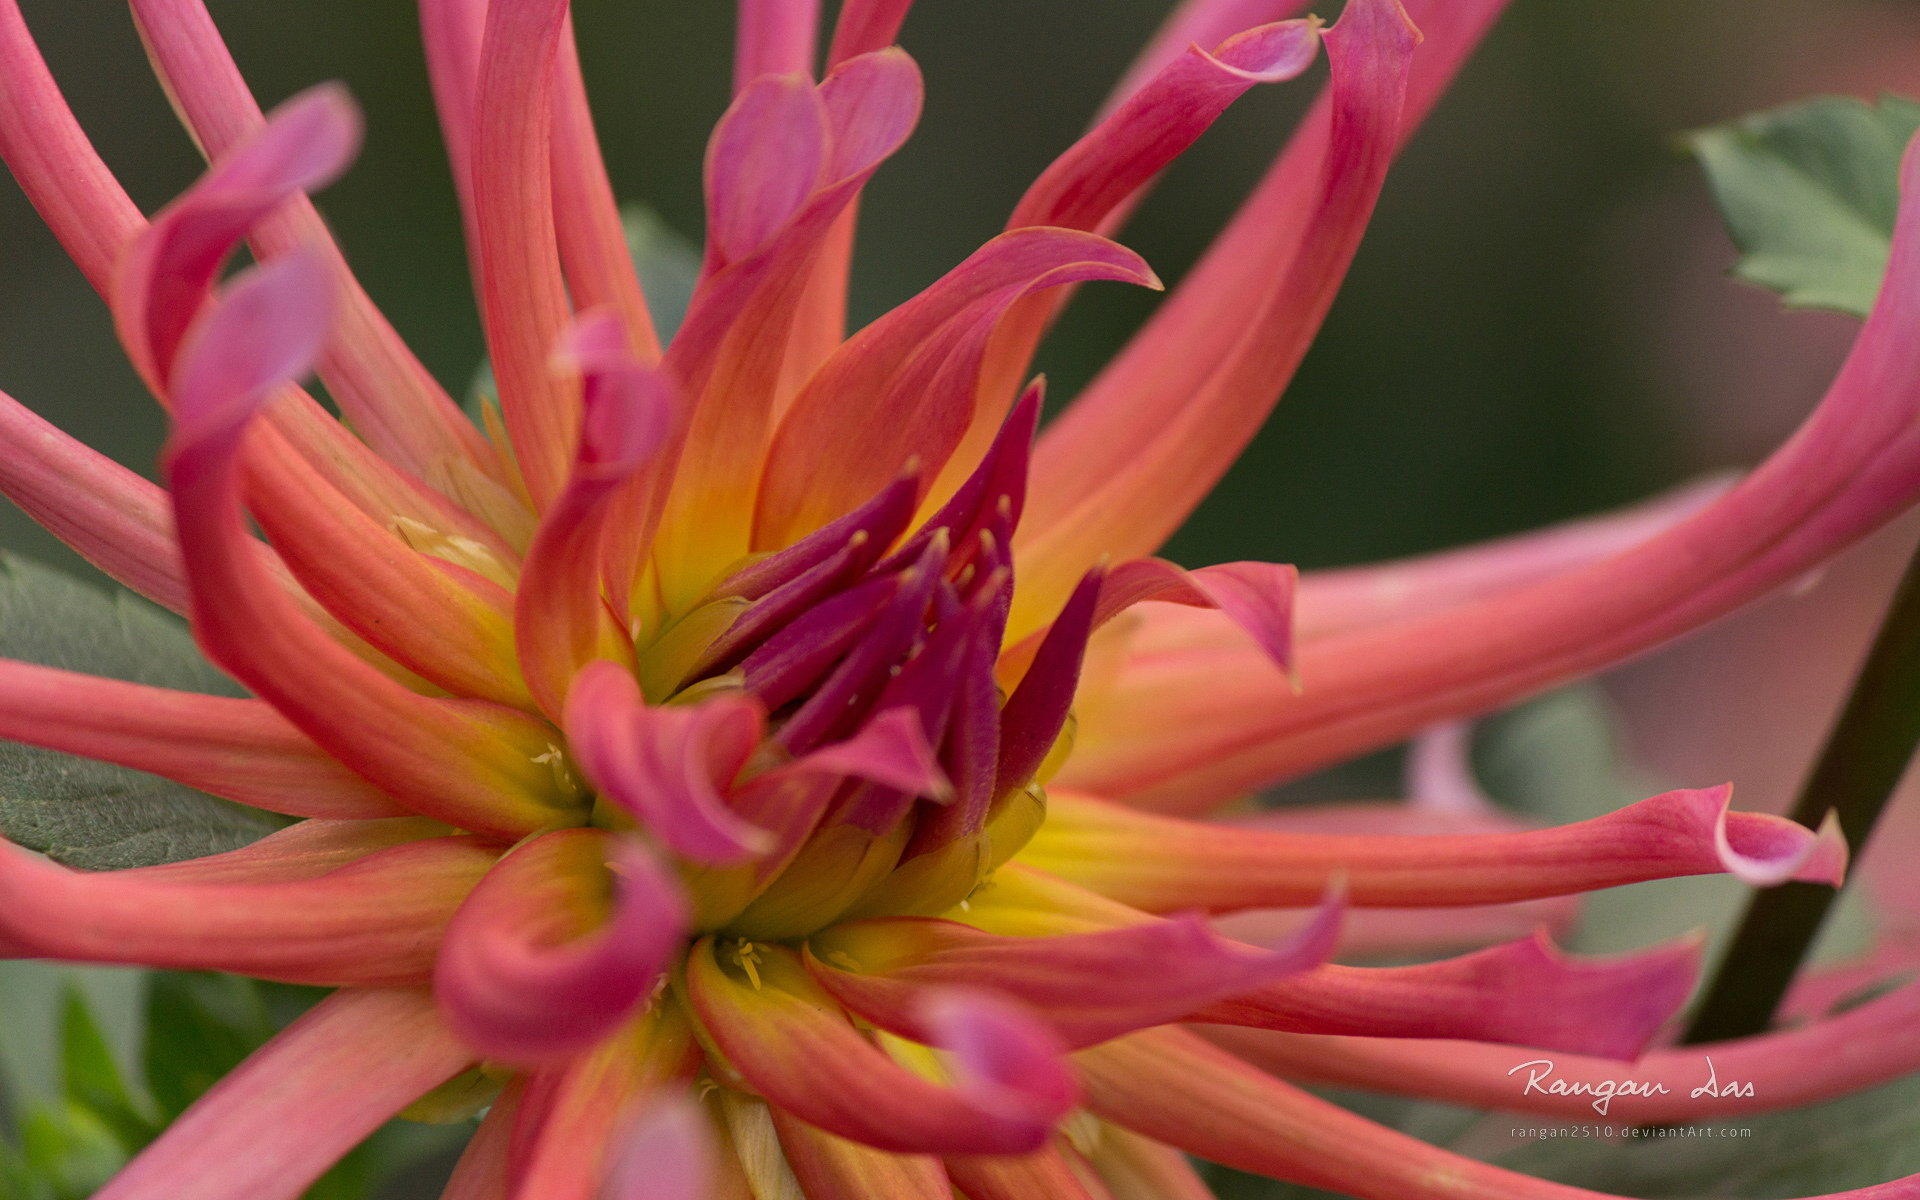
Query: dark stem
{"type": "Point", "coordinates": [1862, 762]}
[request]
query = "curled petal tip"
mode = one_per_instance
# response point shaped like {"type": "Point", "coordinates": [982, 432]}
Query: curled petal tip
{"type": "Point", "coordinates": [264, 331]}
{"type": "Point", "coordinates": [308, 142]}
{"type": "Point", "coordinates": [1005, 1057]}
{"type": "Point", "coordinates": [1271, 53]}
{"type": "Point", "coordinates": [1763, 850]}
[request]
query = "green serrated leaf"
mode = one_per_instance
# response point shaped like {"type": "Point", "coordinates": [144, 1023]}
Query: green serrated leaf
{"type": "Point", "coordinates": [199, 1027]}
{"type": "Point", "coordinates": [95, 815]}
{"type": "Point", "coordinates": [1809, 192]}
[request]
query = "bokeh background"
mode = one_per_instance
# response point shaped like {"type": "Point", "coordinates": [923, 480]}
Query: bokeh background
{"type": "Point", "coordinates": [1537, 327]}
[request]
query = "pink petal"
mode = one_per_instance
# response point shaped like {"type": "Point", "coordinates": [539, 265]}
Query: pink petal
{"type": "Point", "coordinates": [464, 761]}
{"type": "Point", "coordinates": [731, 352]}
{"type": "Point", "coordinates": [1088, 987]}
{"type": "Point", "coordinates": [520, 983]}
{"type": "Point", "coordinates": [239, 749]}
{"type": "Point", "coordinates": [592, 530]}
{"type": "Point", "coordinates": [1164, 864]}
{"type": "Point", "coordinates": [373, 922]}
{"type": "Point", "coordinates": [390, 398]}
{"type": "Point", "coordinates": [864, 26]}
{"type": "Point", "coordinates": [774, 37]}
{"type": "Point", "coordinates": [670, 767]}
{"type": "Point", "coordinates": [523, 299]}
{"type": "Point", "coordinates": [1176, 449]}
{"type": "Point", "coordinates": [1347, 598]}
{"type": "Point", "coordinates": [1854, 465]}
{"type": "Point", "coordinates": [766, 159]}
{"type": "Point", "coordinates": [279, 1120]}
{"type": "Point", "coordinates": [871, 389]}
{"type": "Point", "coordinates": [787, 1039]}
{"type": "Point", "coordinates": [1857, 1049]}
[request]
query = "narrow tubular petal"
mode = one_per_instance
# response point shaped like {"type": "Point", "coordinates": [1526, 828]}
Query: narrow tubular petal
{"type": "Point", "coordinates": [440, 620]}
{"type": "Point", "coordinates": [109, 515]}
{"type": "Point", "coordinates": [467, 762]}
{"type": "Point", "coordinates": [864, 26]}
{"type": "Point", "coordinates": [240, 749]}
{"type": "Point", "coordinates": [732, 348]}
{"type": "Point", "coordinates": [1132, 505]}
{"type": "Point", "coordinates": [1171, 1086]}
{"type": "Point", "coordinates": [563, 1144]}
{"type": "Point", "coordinates": [94, 220]}
{"type": "Point", "coordinates": [523, 297]}
{"type": "Point", "coordinates": [54, 163]}
{"type": "Point", "coordinates": [1155, 124]}
{"type": "Point", "coordinates": [833, 1168]}
{"type": "Point", "coordinates": [670, 767]}
{"type": "Point", "coordinates": [1860, 1048]}
{"type": "Point", "coordinates": [165, 274]}
{"type": "Point", "coordinates": [1167, 364]}
{"type": "Point", "coordinates": [775, 37]}
{"type": "Point", "coordinates": [788, 1040]}
{"type": "Point", "coordinates": [1525, 993]}
{"type": "Point", "coordinates": [531, 971]}
{"type": "Point", "coordinates": [286, 1114]}
{"type": "Point", "coordinates": [586, 216]}
{"type": "Point", "coordinates": [303, 850]}
{"type": "Point", "coordinates": [561, 620]}
{"type": "Point", "coordinates": [1048, 1172]}
{"type": "Point", "coordinates": [1346, 598]}
{"type": "Point", "coordinates": [390, 398]}
{"type": "Point", "coordinates": [1852, 466]}
{"type": "Point", "coordinates": [1089, 987]}
{"type": "Point", "coordinates": [868, 390]}
{"type": "Point", "coordinates": [1164, 864]}
{"type": "Point", "coordinates": [1098, 181]}
{"type": "Point", "coordinates": [376, 921]}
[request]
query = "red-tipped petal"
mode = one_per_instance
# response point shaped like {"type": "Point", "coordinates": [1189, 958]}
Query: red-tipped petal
{"type": "Point", "coordinates": [1088, 987]}
{"type": "Point", "coordinates": [789, 1041]}
{"type": "Point", "coordinates": [1163, 864]}
{"type": "Point", "coordinates": [299, 1103]}
{"type": "Point", "coordinates": [376, 921]}
{"type": "Point", "coordinates": [670, 767]}
{"type": "Point", "coordinates": [521, 981]}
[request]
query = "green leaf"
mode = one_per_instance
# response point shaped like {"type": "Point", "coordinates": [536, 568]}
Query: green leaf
{"type": "Point", "coordinates": [668, 263]}
{"type": "Point", "coordinates": [70, 1148]}
{"type": "Point", "coordinates": [199, 1027]}
{"type": "Point", "coordinates": [92, 1077]}
{"type": "Point", "coordinates": [89, 814]}
{"type": "Point", "coordinates": [1809, 192]}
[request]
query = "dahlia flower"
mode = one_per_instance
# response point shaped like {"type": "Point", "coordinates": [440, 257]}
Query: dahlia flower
{"type": "Point", "coordinates": [762, 764]}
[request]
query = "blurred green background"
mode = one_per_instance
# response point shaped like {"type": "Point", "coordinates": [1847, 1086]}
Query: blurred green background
{"type": "Point", "coordinates": [1538, 325]}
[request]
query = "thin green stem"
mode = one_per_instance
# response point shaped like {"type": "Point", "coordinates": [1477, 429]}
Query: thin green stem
{"type": "Point", "coordinates": [1863, 760]}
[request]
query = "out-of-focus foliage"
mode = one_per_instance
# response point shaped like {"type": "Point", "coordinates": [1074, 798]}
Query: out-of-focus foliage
{"type": "Point", "coordinates": [1810, 192]}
